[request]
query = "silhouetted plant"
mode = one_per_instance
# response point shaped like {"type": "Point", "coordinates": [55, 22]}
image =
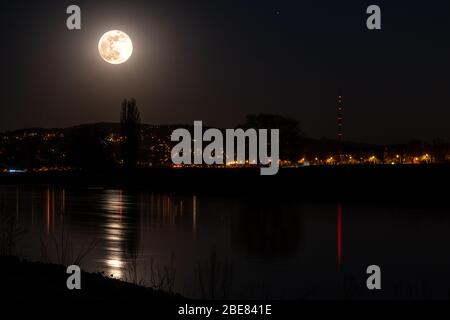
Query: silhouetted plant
{"type": "Point", "coordinates": [130, 125]}
{"type": "Point", "coordinates": [133, 266]}
{"type": "Point", "coordinates": [64, 250]}
{"type": "Point", "coordinates": [215, 278]}
{"type": "Point", "coordinates": [162, 278]}
{"type": "Point", "coordinates": [136, 271]}
{"type": "Point", "coordinates": [9, 232]}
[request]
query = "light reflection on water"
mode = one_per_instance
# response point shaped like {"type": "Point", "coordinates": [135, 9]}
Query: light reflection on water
{"type": "Point", "coordinates": [115, 232]}
{"type": "Point", "coordinates": [120, 219]}
{"type": "Point", "coordinates": [278, 248]}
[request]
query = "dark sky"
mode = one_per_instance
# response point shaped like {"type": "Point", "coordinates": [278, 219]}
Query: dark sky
{"type": "Point", "coordinates": [216, 61]}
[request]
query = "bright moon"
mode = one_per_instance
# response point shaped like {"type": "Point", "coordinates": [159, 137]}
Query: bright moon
{"type": "Point", "coordinates": [115, 47]}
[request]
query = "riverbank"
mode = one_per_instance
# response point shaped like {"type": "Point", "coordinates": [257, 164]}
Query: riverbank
{"type": "Point", "coordinates": [401, 182]}
{"type": "Point", "coordinates": [21, 279]}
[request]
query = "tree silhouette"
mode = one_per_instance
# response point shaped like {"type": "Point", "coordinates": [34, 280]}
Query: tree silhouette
{"type": "Point", "coordinates": [130, 126]}
{"type": "Point", "coordinates": [291, 135]}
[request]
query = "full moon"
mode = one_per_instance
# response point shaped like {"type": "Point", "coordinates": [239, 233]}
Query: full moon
{"type": "Point", "coordinates": [115, 47]}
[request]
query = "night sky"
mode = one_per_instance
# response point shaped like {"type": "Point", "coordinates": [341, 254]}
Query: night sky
{"type": "Point", "coordinates": [217, 61]}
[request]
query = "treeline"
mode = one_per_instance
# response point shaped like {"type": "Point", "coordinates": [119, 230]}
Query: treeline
{"type": "Point", "coordinates": [130, 144]}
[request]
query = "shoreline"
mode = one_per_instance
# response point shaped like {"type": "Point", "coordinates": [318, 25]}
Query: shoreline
{"type": "Point", "coordinates": [411, 182]}
{"type": "Point", "coordinates": [22, 279]}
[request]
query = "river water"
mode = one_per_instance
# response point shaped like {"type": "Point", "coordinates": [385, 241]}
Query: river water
{"type": "Point", "coordinates": [238, 247]}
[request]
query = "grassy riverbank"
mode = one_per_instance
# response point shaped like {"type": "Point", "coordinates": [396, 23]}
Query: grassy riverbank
{"type": "Point", "coordinates": [21, 279]}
